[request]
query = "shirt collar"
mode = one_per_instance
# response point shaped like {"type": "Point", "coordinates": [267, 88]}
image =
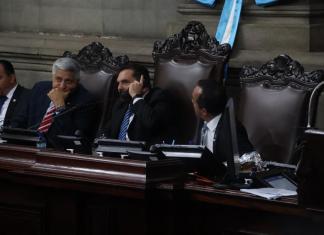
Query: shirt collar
{"type": "Point", "coordinates": [212, 124]}
{"type": "Point", "coordinates": [11, 92]}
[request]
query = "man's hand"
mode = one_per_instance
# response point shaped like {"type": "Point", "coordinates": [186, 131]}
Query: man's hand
{"type": "Point", "coordinates": [136, 88]}
{"type": "Point", "coordinates": [58, 97]}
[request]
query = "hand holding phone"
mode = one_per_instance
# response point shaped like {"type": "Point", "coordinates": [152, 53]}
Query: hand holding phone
{"type": "Point", "coordinates": [136, 87]}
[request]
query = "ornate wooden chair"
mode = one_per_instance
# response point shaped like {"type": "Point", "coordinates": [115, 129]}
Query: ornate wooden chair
{"type": "Point", "coordinates": [316, 108]}
{"type": "Point", "coordinates": [180, 61]}
{"type": "Point", "coordinates": [98, 70]}
{"type": "Point", "coordinates": [273, 106]}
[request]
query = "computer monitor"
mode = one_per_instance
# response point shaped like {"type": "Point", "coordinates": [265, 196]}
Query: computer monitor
{"type": "Point", "coordinates": [231, 144]}
{"type": "Point", "coordinates": [196, 158]}
{"type": "Point", "coordinates": [72, 144]}
{"type": "Point", "coordinates": [19, 136]}
{"type": "Point", "coordinates": [116, 148]}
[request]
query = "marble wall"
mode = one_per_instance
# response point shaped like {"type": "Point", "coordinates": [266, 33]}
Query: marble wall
{"type": "Point", "coordinates": [135, 18]}
{"type": "Point", "coordinates": [33, 33]}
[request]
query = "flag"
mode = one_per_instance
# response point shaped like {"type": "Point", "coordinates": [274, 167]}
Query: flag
{"type": "Point", "coordinates": [265, 2]}
{"type": "Point", "coordinates": [229, 21]}
{"type": "Point", "coordinates": [210, 3]}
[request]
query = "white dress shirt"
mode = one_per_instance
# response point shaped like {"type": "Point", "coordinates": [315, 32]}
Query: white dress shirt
{"type": "Point", "coordinates": [211, 128]}
{"type": "Point", "coordinates": [5, 106]}
{"type": "Point", "coordinates": [133, 115]}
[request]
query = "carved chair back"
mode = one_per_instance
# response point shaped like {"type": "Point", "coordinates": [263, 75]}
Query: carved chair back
{"type": "Point", "coordinates": [98, 74]}
{"type": "Point", "coordinates": [316, 108]}
{"type": "Point", "coordinates": [273, 106]}
{"type": "Point", "coordinates": [180, 61]}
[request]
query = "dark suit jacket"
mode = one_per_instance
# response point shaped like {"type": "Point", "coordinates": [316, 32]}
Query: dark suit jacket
{"type": "Point", "coordinates": [152, 121]}
{"type": "Point", "coordinates": [221, 145]}
{"type": "Point", "coordinates": [221, 141]}
{"type": "Point", "coordinates": [20, 96]}
{"type": "Point", "coordinates": [78, 114]}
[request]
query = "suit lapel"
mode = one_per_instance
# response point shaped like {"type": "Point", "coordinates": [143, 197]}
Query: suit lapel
{"type": "Point", "coordinates": [43, 102]}
{"type": "Point", "coordinates": [132, 132]}
{"type": "Point", "coordinates": [13, 103]}
{"type": "Point", "coordinates": [218, 133]}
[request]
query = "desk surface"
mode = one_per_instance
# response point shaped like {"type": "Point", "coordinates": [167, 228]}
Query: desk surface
{"type": "Point", "coordinates": [118, 192]}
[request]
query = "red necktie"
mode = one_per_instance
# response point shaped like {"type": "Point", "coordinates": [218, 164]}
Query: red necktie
{"type": "Point", "coordinates": [47, 119]}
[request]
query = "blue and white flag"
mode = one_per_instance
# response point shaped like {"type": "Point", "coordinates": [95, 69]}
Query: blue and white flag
{"type": "Point", "coordinates": [227, 26]}
{"type": "Point", "coordinates": [210, 3]}
{"type": "Point", "coordinates": [265, 2]}
{"type": "Point", "coordinates": [228, 22]}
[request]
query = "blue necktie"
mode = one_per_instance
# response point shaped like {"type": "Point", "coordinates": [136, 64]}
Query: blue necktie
{"type": "Point", "coordinates": [203, 135]}
{"type": "Point", "coordinates": [124, 124]}
{"type": "Point", "coordinates": [3, 99]}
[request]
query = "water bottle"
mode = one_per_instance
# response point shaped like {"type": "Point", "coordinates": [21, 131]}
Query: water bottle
{"type": "Point", "coordinates": [41, 143]}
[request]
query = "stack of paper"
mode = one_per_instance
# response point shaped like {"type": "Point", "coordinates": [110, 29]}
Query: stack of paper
{"type": "Point", "coordinates": [270, 193]}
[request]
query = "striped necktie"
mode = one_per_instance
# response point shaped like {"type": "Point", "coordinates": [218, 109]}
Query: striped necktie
{"type": "Point", "coordinates": [47, 119]}
{"type": "Point", "coordinates": [124, 125]}
{"type": "Point", "coordinates": [203, 135]}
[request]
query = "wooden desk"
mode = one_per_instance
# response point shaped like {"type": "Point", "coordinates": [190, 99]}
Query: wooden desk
{"type": "Point", "coordinates": [233, 211]}
{"type": "Point", "coordinates": [44, 192]}
{"type": "Point", "coordinates": [57, 193]}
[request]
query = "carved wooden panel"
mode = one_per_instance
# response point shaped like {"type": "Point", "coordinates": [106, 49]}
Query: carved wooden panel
{"type": "Point", "coordinates": [96, 57]}
{"type": "Point", "coordinates": [281, 72]}
{"type": "Point", "coordinates": [193, 41]}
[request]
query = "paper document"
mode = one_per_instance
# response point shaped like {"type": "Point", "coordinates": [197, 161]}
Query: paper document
{"type": "Point", "coordinates": [270, 193]}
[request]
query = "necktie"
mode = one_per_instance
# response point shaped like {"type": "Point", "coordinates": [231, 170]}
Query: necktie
{"type": "Point", "coordinates": [124, 124]}
{"type": "Point", "coordinates": [3, 99]}
{"type": "Point", "coordinates": [47, 119]}
{"type": "Point", "coordinates": [203, 138]}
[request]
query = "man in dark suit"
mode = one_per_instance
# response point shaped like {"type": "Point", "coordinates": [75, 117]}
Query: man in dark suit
{"type": "Point", "coordinates": [11, 93]}
{"type": "Point", "coordinates": [209, 101]}
{"type": "Point", "coordinates": [59, 107]}
{"type": "Point", "coordinates": [141, 113]}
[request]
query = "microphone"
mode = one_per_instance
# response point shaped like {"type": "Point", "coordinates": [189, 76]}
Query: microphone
{"type": "Point", "coordinates": [76, 143]}
{"type": "Point", "coordinates": [69, 110]}
{"type": "Point", "coordinates": [78, 106]}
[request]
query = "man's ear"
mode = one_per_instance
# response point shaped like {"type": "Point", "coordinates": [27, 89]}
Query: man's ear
{"type": "Point", "coordinates": [13, 78]}
{"type": "Point", "coordinates": [203, 112]}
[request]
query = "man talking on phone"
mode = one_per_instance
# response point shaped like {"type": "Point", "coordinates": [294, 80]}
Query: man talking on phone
{"type": "Point", "coordinates": [140, 113]}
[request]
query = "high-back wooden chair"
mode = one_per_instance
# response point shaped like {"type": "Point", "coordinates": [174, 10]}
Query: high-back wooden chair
{"type": "Point", "coordinates": [98, 71]}
{"type": "Point", "coordinates": [273, 106]}
{"type": "Point", "coordinates": [180, 61]}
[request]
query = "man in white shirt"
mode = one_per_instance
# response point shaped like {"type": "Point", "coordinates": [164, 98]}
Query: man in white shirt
{"type": "Point", "coordinates": [12, 95]}
{"type": "Point", "coordinates": [209, 101]}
